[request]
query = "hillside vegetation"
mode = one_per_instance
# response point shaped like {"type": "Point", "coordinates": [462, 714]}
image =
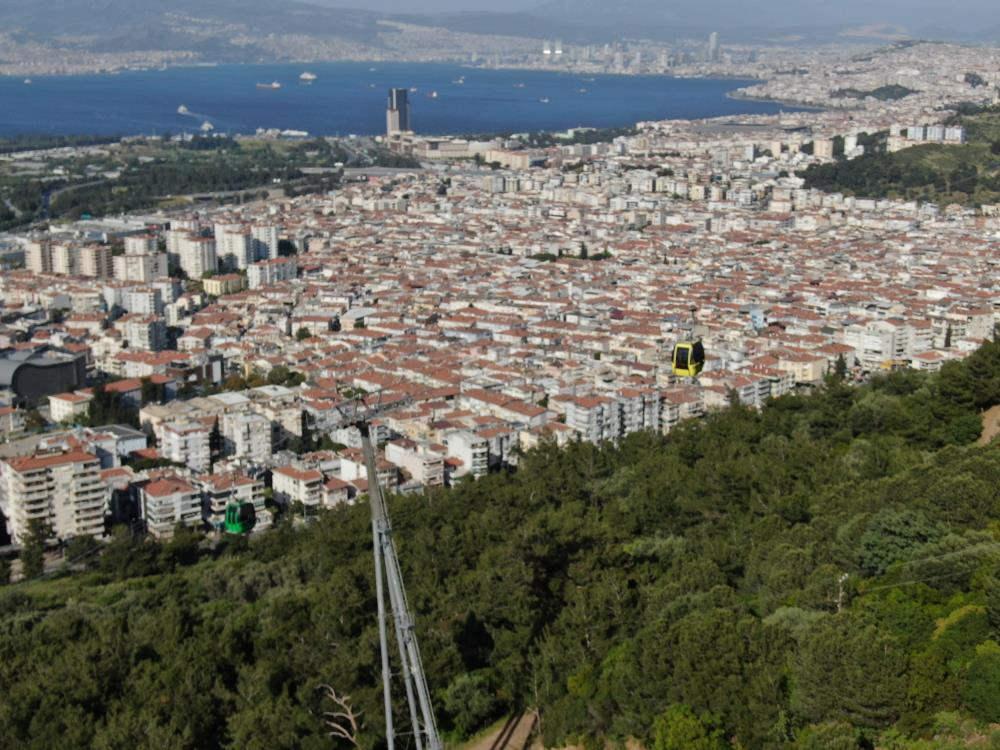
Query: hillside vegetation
{"type": "Point", "coordinates": [822, 574]}
{"type": "Point", "coordinates": [967, 174]}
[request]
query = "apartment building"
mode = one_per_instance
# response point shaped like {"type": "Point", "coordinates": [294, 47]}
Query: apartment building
{"type": "Point", "coordinates": [142, 268]}
{"type": "Point", "coordinates": [234, 246]}
{"type": "Point", "coordinates": [60, 487]}
{"type": "Point", "coordinates": [336, 492]}
{"type": "Point", "coordinates": [68, 407]}
{"type": "Point", "coordinates": [247, 437]}
{"type": "Point", "coordinates": [594, 418]}
{"type": "Point", "coordinates": [97, 262]}
{"type": "Point", "coordinates": [186, 442]}
{"type": "Point", "coordinates": [293, 485]}
{"type": "Point", "coordinates": [38, 256]}
{"type": "Point", "coordinates": [424, 465]}
{"type": "Point", "coordinates": [471, 450]}
{"type": "Point", "coordinates": [196, 255]}
{"type": "Point", "coordinates": [169, 501]}
{"type": "Point", "coordinates": [145, 332]}
{"type": "Point", "coordinates": [270, 272]}
{"type": "Point", "coordinates": [265, 241]}
{"type": "Point", "coordinates": [227, 283]}
{"type": "Point", "coordinates": [218, 490]}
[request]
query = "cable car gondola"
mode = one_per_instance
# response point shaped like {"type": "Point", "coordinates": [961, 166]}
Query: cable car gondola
{"type": "Point", "coordinates": [689, 359]}
{"type": "Point", "coordinates": [240, 518]}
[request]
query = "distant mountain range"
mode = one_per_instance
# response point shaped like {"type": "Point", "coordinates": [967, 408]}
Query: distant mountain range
{"type": "Point", "coordinates": [208, 26]}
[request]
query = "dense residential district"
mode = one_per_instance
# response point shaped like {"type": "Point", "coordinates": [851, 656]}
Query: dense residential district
{"type": "Point", "coordinates": [160, 367]}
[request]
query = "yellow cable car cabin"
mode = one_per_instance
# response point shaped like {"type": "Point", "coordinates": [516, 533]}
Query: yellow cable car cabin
{"type": "Point", "coordinates": [689, 359]}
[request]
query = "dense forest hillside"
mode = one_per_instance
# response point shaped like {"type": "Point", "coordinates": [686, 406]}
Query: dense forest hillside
{"type": "Point", "coordinates": [967, 174]}
{"type": "Point", "coordinates": [820, 575]}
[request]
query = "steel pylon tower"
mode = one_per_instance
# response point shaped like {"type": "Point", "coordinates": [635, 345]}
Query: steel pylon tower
{"type": "Point", "coordinates": [389, 579]}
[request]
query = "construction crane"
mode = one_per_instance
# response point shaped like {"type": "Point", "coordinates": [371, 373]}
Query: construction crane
{"type": "Point", "coordinates": [360, 413]}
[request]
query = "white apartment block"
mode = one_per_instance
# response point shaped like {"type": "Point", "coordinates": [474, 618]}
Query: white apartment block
{"type": "Point", "coordinates": [143, 301]}
{"type": "Point", "coordinates": [233, 246]}
{"type": "Point", "coordinates": [167, 502]}
{"type": "Point", "coordinates": [186, 443]}
{"type": "Point", "coordinates": [265, 241]}
{"type": "Point", "coordinates": [269, 272]}
{"type": "Point", "coordinates": [196, 255]}
{"type": "Point", "coordinates": [247, 437]}
{"type": "Point", "coordinates": [61, 488]}
{"type": "Point", "coordinates": [38, 257]}
{"type": "Point", "coordinates": [594, 418]}
{"type": "Point", "coordinates": [472, 450]}
{"type": "Point", "coordinates": [142, 268]}
{"type": "Point", "coordinates": [67, 407]}
{"type": "Point", "coordinates": [65, 260]}
{"type": "Point", "coordinates": [292, 485]}
{"type": "Point", "coordinates": [424, 465]}
{"type": "Point", "coordinates": [140, 244]}
{"type": "Point", "coordinates": [145, 332]}
{"type": "Point", "coordinates": [97, 262]}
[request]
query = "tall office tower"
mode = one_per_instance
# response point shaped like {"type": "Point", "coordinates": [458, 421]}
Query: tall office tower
{"type": "Point", "coordinates": [397, 115]}
{"type": "Point", "coordinates": [713, 46]}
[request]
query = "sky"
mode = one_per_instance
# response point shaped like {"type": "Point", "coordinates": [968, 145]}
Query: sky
{"type": "Point", "coordinates": [915, 15]}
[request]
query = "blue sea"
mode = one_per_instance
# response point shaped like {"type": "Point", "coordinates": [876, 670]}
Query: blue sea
{"type": "Point", "coordinates": [350, 98]}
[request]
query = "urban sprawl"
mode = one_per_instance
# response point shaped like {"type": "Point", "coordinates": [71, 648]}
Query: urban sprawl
{"type": "Point", "coordinates": [160, 367]}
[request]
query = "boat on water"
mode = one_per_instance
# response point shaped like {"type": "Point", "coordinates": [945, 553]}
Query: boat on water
{"type": "Point", "coordinates": [27, 82]}
{"type": "Point", "coordinates": [433, 95]}
{"type": "Point", "coordinates": [413, 89]}
{"type": "Point", "coordinates": [307, 77]}
{"type": "Point", "coordinates": [459, 81]}
{"type": "Point", "coordinates": [519, 85]}
{"type": "Point", "coordinates": [183, 110]}
{"type": "Point", "coordinates": [271, 85]}
{"type": "Point", "coordinates": [544, 100]}
{"type": "Point", "coordinates": [582, 91]}
{"type": "Point", "coordinates": [207, 127]}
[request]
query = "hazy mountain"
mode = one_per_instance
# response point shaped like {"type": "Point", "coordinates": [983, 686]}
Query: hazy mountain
{"type": "Point", "coordinates": [740, 19]}
{"type": "Point", "coordinates": [148, 18]}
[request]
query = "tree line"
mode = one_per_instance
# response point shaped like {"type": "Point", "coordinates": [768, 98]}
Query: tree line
{"type": "Point", "coordinates": [819, 574]}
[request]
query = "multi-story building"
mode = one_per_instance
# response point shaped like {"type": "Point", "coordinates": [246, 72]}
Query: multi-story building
{"type": "Point", "coordinates": [167, 502]}
{"type": "Point", "coordinates": [145, 332]}
{"type": "Point", "coordinates": [38, 256]}
{"type": "Point", "coordinates": [268, 272]}
{"type": "Point", "coordinates": [218, 490]}
{"type": "Point", "coordinates": [65, 259]}
{"type": "Point", "coordinates": [424, 465]}
{"type": "Point", "coordinates": [62, 488]}
{"type": "Point", "coordinates": [143, 300]}
{"type": "Point", "coordinates": [187, 443]}
{"type": "Point", "coordinates": [97, 261]}
{"type": "Point", "coordinates": [397, 113]}
{"type": "Point", "coordinates": [68, 407]}
{"type": "Point", "coordinates": [227, 283]}
{"type": "Point", "coordinates": [471, 450]}
{"type": "Point", "coordinates": [141, 244]}
{"type": "Point", "coordinates": [265, 241]}
{"type": "Point", "coordinates": [293, 485]}
{"type": "Point", "coordinates": [234, 246]}
{"type": "Point", "coordinates": [247, 437]}
{"type": "Point", "coordinates": [143, 268]}
{"type": "Point", "coordinates": [196, 255]}
{"type": "Point", "coordinates": [595, 418]}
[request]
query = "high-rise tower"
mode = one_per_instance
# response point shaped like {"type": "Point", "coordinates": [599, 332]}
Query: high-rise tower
{"type": "Point", "coordinates": [397, 113]}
